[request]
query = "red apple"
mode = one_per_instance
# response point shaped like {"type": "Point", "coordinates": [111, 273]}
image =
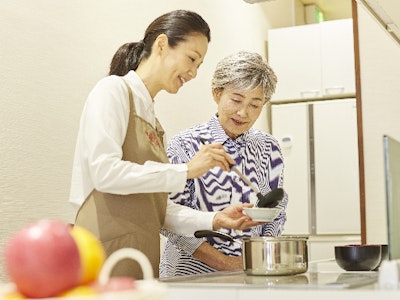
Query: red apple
{"type": "Point", "coordinates": [43, 259]}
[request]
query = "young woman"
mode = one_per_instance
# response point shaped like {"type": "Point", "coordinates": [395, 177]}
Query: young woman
{"type": "Point", "coordinates": [121, 175]}
{"type": "Point", "coordinates": [241, 86]}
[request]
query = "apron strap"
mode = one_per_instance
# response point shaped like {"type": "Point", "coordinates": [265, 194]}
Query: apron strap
{"type": "Point", "coordinates": [131, 105]}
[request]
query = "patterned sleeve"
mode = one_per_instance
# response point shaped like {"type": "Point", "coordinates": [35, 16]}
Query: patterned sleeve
{"type": "Point", "coordinates": [181, 151]}
{"type": "Point", "coordinates": [276, 171]}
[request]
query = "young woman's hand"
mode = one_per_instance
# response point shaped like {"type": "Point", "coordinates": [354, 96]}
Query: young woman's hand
{"type": "Point", "coordinates": [233, 217]}
{"type": "Point", "coordinates": [208, 157]}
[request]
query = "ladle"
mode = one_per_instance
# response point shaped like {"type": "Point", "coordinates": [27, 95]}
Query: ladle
{"type": "Point", "coordinates": [270, 200]}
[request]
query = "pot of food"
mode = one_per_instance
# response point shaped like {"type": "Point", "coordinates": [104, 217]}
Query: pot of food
{"type": "Point", "coordinates": [284, 255]}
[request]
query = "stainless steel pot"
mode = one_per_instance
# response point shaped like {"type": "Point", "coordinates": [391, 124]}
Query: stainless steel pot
{"type": "Point", "coordinates": [285, 255]}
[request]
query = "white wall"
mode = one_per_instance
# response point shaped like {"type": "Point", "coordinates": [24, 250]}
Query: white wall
{"type": "Point", "coordinates": [51, 55]}
{"type": "Point", "coordinates": [380, 92]}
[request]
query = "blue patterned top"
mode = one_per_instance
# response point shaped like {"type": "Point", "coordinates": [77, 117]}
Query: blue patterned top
{"type": "Point", "coordinates": [258, 155]}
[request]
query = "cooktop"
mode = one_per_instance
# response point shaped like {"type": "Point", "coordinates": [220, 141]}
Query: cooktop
{"type": "Point", "coordinates": [308, 280]}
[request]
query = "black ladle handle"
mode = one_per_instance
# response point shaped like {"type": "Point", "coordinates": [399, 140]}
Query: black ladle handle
{"type": "Point", "coordinates": [212, 233]}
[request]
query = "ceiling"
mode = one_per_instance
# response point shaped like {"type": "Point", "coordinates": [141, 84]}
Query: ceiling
{"type": "Point", "coordinates": [332, 9]}
{"type": "Point", "coordinates": [284, 13]}
{"type": "Point", "coordinates": [386, 11]}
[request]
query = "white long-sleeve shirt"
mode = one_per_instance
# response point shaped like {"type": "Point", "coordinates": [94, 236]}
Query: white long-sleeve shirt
{"type": "Point", "coordinates": [98, 160]}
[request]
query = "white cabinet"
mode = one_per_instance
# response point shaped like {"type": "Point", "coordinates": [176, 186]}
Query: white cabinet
{"type": "Point", "coordinates": [289, 126]}
{"type": "Point", "coordinates": [295, 54]}
{"type": "Point", "coordinates": [337, 57]}
{"type": "Point", "coordinates": [313, 61]}
{"type": "Point", "coordinates": [336, 167]}
{"type": "Point", "coordinates": [319, 146]}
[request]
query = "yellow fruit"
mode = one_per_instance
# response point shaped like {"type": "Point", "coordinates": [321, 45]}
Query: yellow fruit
{"type": "Point", "coordinates": [14, 296]}
{"type": "Point", "coordinates": [91, 253]}
{"type": "Point", "coordinates": [81, 290]}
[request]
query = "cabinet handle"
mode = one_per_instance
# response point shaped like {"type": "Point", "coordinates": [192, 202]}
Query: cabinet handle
{"type": "Point", "coordinates": [334, 90]}
{"type": "Point", "coordinates": [309, 94]}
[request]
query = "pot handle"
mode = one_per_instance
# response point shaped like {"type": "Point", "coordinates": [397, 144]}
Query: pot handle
{"type": "Point", "coordinates": [211, 233]}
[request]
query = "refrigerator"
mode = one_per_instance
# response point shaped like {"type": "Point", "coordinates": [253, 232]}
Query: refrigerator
{"type": "Point", "coordinates": [320, 150]}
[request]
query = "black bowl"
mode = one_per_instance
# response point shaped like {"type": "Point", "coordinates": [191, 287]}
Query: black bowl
{"type": "Point", "coordinates": [385, 252]}
{"type": "Point", "coordinates": [358, 257]}
{"type": "Point", "coordinates": [384, 255]}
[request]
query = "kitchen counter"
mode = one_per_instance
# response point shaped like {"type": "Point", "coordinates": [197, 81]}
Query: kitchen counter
{"type": "Point", "coordinates": [323, 280]}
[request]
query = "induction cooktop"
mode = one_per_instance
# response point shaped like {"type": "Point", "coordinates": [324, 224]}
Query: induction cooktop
{"type": "Point", "coordinates": [309, 280]}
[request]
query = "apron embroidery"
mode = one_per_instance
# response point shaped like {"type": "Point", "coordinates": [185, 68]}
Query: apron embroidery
{"type": "Point", "coordinates": [153, 139]}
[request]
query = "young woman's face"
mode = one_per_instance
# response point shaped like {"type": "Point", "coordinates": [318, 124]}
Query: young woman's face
{"type": "Point", "coordinates": [181, 63]}
{"type": "Point", "coordinates": [238, 110]}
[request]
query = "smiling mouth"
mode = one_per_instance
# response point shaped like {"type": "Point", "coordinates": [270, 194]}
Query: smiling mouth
{"type": "Point", "coordinates": [183, 80]}
{"type": "Point", "coordinates": [236, 122]}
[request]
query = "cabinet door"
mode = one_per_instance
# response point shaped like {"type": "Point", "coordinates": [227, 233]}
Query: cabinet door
{"type": "Point", "coordinates": [337, 57]}
{"type": "Point", "coordinates": [289, 126]}
{"type": "Point", "coordinates": [336, 167]}
{"type": "Point", "coordinates": [313, 61]}
{"type": "Point", "coordinates": [294, 54]}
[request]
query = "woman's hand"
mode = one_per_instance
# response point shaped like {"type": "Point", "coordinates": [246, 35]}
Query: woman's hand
{"type": "Point", "coordinates": [233, 217]}
{"type": "Point", "coordinates": [208, 157]}
{"type": "Point", "coordinates": [216, 259]}
{"type": "Point", "coordinates": [233, 263]}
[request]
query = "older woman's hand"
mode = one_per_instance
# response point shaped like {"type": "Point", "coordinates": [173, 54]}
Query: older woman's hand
{"type": "Point", "coordinates": [233, 217]}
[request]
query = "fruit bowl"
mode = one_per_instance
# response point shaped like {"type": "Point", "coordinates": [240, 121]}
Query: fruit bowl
{"type": "Point", "coordinates": [50, 259]}
{"type": "Point", "coordinates": [146, 289]}
{"type": "Point", "coordinates": [363, 257]}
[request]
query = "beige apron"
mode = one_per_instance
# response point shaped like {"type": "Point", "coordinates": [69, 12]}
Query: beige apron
{"type": "Point", "coordinates": [130, 220]}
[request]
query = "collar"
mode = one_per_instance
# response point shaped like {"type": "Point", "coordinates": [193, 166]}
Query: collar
{"type": "Point", "coordinates": [140, 90]}
{"type": "Point", "coordinates": [218, 134]}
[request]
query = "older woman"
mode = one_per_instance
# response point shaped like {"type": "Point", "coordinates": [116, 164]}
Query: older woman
{"type": "Point", "coordinates": [241, 86]}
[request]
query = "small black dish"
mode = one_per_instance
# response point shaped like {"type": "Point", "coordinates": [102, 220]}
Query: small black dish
{"type": "Point", "coordinates": [363, 257]}
{"type": "Point", "coordinates": [384, 255]}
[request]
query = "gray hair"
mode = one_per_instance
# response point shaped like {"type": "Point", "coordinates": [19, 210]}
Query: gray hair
{"type": "Point", "coordinates": [244, 71]}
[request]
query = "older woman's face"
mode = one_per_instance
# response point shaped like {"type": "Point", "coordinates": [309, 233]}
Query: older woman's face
{"type": "Point", "coordinates": [238, 110]}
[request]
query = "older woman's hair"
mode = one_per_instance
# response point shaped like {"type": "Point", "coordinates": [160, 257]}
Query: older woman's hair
{"type": "Point", "coordinates": [244, 71]}
{"type": "Point", "coordinates": [177, 25]}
